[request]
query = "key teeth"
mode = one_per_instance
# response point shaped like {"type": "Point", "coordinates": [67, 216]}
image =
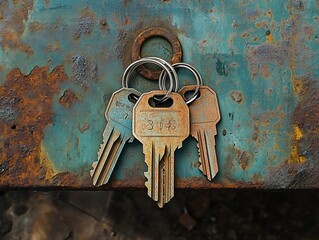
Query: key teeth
{"type": "Point", "coordinates": [100, 149]}
{"type": "Point", "coordinates": [94, 164]}
{"type": "Point", "coordinates": [147, 182]}
{"type": "Point", "coordinates": [200, 167]}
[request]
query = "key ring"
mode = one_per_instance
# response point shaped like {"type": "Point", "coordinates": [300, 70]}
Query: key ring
{"type": "Point", "coordinates": [197, 75]}
{"type": "Point", "coordinates": [167, 68]}
{"type": "Point", "coordinates": [171, 68]}
{"type": "Point", "coordinates": [167, 65]}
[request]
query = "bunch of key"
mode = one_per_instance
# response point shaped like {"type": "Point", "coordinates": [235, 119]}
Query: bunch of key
{"type": "Point", "coordinates": [161, 120]}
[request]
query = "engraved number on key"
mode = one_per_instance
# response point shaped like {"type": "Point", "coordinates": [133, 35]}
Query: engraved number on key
{"type": "Point", "coordinates": [204, 115]}
{"type": "Point", "coordinates": [117, 132]}
{"type": "Point", "coordinates": [161, 130]}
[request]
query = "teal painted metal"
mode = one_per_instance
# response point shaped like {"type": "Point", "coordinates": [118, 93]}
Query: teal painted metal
{"type": "Point", "coordinates": [261, 57]}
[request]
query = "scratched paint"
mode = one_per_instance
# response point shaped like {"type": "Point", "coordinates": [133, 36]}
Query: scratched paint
{"type": "Point", "coordinates": [261, 57]}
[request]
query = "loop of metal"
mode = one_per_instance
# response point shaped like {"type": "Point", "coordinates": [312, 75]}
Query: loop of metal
{"type": "Point", "coordinates": [167, 68]}
{"type": "Point", "coordinates": [150, 33]}
{"type": "Point", "coordinates": [193, 70]}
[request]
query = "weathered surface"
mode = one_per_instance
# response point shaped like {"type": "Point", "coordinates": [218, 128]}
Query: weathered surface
{"type": "Point", "coordinates": [61, 61]}
{"type": "Point", "coordinates": [26, 108]}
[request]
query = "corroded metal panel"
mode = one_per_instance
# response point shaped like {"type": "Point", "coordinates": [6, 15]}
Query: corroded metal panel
{"type": "Point", "coordinates": [60, 61]}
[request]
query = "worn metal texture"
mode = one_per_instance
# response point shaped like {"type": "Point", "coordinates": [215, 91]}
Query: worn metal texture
{"type": "Point", "coordinates": [60, 61]}
{"type": "Point", "coordinates": [204, 118]}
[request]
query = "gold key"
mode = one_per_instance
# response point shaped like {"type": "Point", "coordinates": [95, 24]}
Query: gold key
{"type": "Point", "coordinates": [161, 130]}
{"type": "Point", "coordinates": [204, 115]}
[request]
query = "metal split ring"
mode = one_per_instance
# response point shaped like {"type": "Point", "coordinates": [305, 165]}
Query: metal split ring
{"type": "Point", "coordinates": [167, 68]}
{"type": "Point", "coordinates": [198, 77]}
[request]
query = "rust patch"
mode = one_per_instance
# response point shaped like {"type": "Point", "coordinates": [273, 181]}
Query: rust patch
{"type": "Point", "coordinates": [306, 135]}
{"type": "Point", "coordinates": [122, 44]}
{"type": "Point", "coordinates": [234, 24]}
{"type": "Point", "coordinates": [53, 47]}
{"type": "Point", "coordinates": [126, 21]}
{"type": "Point", "coordinates": [257, 178]}
{"type": "Point", "coordinates": [71, 180]}
{"type": "Point", "coordinates": [245, 35]}
{"type": "Point", "coordinates": [301, 170]}
{"type": "Point", "coordinates": [25, 110]}
{"type": "Point", "coordinates": [104, 25]}
{"type": "Point", "coordinates": [1, 68]}
{"type": "Point", "coordinates": [308, 32]}
{"type": "Point", "coordinates": [264, 71]}
{"type": "Point", "coordinates": [244, 160]}
{"type": "Point", "coordinates": [84, 127]}
{"type": "Point", "coordinates": [85, 25]}
{"type": "Point", "coordinates": [68, 98]}
{"type": "Point", "coordinates": [84, 71]}
{"type": "Point", "coordinates": [296, 5]}
{"type": "Point", "coordinates": [269, 37]}
{"type": "Point", "coordinates": [202, 183]}
{"type": "Point", "coordinates": [255, 131]}
{"type": "Point", "coordinates": [236, 96]}
{"type": "Point", "coordinates": [48, 168]}
{"type": "Point", "coordinates": [13, 28]}
{"type": "Point", "coordinates": [35, 26]}
{"type": "Point", "coordinates": [261, 24]}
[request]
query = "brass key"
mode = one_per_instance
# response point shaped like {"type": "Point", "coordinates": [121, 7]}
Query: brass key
{"type": "Point", "coordinates": [161, 130]}
{"type": "Point", "coordinates": [204, 115]}
{"type": "Point", "coordinates": [116, 133]}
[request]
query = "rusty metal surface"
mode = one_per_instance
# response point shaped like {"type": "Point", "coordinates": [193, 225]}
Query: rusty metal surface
{"type": "Point", "coordinates": [60, 61]}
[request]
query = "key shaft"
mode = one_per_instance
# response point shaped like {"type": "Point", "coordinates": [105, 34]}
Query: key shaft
{"type": "Point", "coordinates": [117, 132]}
{"type": "Point", "coordinates": [204, 115]}
{"type": "Point", "coordinates": [206, 151]}
{"type": "Point", "coordinates": [166, 176]}
{"type": "Point", "coordinates": [108, 155]}
{"type": "Point", "coordinates": [161, 130]}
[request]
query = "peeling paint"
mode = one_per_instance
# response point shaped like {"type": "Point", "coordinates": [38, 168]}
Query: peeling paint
{"type": "Point", "coordinates": [68, 98]}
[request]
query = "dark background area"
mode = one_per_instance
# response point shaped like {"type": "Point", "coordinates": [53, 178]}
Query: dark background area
{"type": "Point", "coordinates": [214, 214]}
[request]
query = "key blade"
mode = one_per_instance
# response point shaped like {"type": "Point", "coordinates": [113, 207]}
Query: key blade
{"type": "Point", "coordinates": [204, 114]}
{"type": "Point", "coordinates": [166, 176]}
{"type": "Point", "coordinates": [162, 126]}
{"type": "Point", "coordinates": [153, 155]}
{"type": "Point", "coordinates": [107, 158]}
{"type": "Point", "coordinates": [207, 152]}
{"type": "Point", "coordinates": [118, 131]}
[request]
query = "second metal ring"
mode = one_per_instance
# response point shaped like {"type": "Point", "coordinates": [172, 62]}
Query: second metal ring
{"type": "Point", "coordinates": [167, 68]}
{"type": "Point", "coordinates": [199, 80]}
